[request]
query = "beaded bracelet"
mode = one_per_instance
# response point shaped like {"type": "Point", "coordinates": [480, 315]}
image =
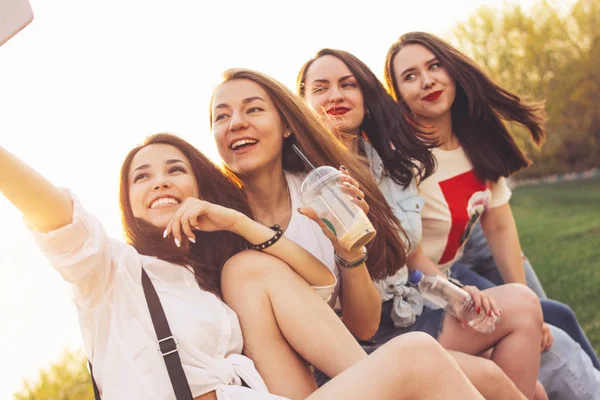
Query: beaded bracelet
{"type": "Point", "coordinates": [270, 242]}
{"type": "Point", "coordinates": [351, 264]}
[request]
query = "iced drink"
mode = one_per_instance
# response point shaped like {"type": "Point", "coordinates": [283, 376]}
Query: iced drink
{"type": "Point", "coordinates": [321, 191]}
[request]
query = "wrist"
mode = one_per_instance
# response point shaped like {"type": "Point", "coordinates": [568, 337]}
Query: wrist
{"type": "Point", "coordinates": [242, 225]}
{"type": "Point", "coordinates": [351, 262]}
{"type": "Point", "coordinates": [349, 255]}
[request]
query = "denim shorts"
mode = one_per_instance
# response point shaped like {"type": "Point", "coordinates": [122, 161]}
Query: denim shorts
{"type": "Point", "coordinates": [431, 321]}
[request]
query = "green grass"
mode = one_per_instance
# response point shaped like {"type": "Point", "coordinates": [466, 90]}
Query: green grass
{"type": "Point", "coordinates": [559, 229]}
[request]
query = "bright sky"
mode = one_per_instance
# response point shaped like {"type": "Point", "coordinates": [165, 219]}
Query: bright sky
{"type": "Point", "coordinates": [87, 80]}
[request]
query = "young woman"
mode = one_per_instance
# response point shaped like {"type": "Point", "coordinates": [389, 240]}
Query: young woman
{"type": "Point", "coordinates": [181, 244]}
{"type": "Point", "coordinates": [255, 121]}
{"type": "Point", "coordinates": [349, 97]}
{"type": "Point", "coordinates": [449, 95]}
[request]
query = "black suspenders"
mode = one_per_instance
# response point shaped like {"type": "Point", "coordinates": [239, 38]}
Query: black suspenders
{"type": "Point", "coordinates": [167, 344]}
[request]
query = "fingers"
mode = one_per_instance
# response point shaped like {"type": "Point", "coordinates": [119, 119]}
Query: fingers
{"type": "Point", "coordinates": [350, 187]}
{"type": "Point", "coordinates": [360, 202]}
{"type": "Point", "coordinates": [186, 226]}
{"type": "Point", "coordinates": [358, 197]}
{"type": "Point", "coordinates": [547, 338]}
{"type": "Point", "coordinates": [476, 296]}
{"type": "Point", "coordinates": [495, 307]}
{"type": "Point", "coordinates": [181, 223]}
{"type": "Point", "coordinates": [352, 190]}
{"type": "Point", "coordinates": [347, 178]}
{"type": "Point", "coordinates": [176, 225]}
{"type": "Point", "coordinates": [310, 213]}
{"type": "Point", "coordinates": [485, 305]}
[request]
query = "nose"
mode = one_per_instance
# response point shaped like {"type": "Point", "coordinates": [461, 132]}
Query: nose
{"type": "Point", "coordinates": [237, 122]}
{"type": "Point", "coordinates": [336, 95]}
{"type": "Point", "coordinates": [428, 81]}
{"type": "Point", "coordinates": [161, 183]}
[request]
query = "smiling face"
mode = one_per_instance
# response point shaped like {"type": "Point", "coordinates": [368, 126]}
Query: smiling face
{"type": "Point", "coordinates": [423, 82]}
{"type": "Point", "coordinates": [247, 126]}
{"type": "Point", "coordinates": [160, 178]}
{"type": "Point", "coordinates": [333, 91]}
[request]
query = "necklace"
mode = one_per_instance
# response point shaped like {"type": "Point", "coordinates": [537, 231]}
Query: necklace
{"type": "Point", "coordinates": [288, 216]}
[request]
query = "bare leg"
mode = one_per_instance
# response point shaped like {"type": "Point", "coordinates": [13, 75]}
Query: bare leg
{"type": "Point", "coordinates": [487, 377]}
{"type": "Point", "coordinates": [411, 366]}
{"type": "Point", "coordinates": [516, 339]}
{"type": "Point", "coordinates": [284, 322]}
{"type": "Point", "coordinates": [540, 392]}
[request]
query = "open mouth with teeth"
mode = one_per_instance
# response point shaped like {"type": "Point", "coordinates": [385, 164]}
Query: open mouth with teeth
{"type": "Point", "coordinates": [243, 144]}
{"type": "Point", "coordinates": [164, 202]}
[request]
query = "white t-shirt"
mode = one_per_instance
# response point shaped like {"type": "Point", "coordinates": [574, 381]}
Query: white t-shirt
{"type": "Point", "coordinates": [308, 234]}
{"type": "Point", "coordinates": [117, 330]}
{"type": "Point", "coordinates": [454, 201]}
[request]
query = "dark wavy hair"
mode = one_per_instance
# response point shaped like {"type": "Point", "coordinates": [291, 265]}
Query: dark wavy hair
{"type": "Point", "coordinates": [478, 110]}
{"type": "Point", "coordinates": [388, 123]}
{"type": "Point", "coordinates": [207, 256]}
{"type": "Point", "coordinates": [387, 251]}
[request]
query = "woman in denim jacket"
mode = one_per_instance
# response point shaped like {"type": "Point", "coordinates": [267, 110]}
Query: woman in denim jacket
{"type": "Point", "coordinates": [352, 100]}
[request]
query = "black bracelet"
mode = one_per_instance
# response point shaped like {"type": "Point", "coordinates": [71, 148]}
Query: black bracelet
{"type": "Point", "coordinates": [351, 264]}
{"type": "Point", "coordinates": [270, 242]}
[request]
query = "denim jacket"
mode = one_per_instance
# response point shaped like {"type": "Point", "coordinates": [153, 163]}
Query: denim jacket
{"type": "Point", "coordinates": [406, 202]}
{"type": "Point", "coordinates": [407, 205]}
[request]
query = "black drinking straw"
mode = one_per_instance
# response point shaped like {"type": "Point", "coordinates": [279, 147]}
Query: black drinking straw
{"type": "Point", "coordinates": [303, 157]}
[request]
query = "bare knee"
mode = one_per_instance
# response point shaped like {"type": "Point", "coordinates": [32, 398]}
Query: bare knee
{"type": "Point", "coordinates": [423, 350]}
{"type": "Point", "coordinates": [249, 268]}
{"type": "Point", "coordinates": [528, 306]}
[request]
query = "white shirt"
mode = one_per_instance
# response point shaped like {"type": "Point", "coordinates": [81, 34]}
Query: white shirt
{"type": "Point", "coordinates": [117, 329]}
{"type": "Point", "coordinates": [306, 233]}
{"type": "Point", "coordinates": [454, 200]}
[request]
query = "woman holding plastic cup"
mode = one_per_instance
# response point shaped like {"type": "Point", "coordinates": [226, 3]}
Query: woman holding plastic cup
{"type": "Point", "coordinates": [354, 104]}
{"type": "Point", "coordinates": [255, 121]}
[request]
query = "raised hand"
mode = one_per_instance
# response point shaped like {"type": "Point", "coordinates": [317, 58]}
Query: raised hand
{"type": "Point", "coordinates": [352, 187]}
{"type": "Point", "coordinates": [194, 214]}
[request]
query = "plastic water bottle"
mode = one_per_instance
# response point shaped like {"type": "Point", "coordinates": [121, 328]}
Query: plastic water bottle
{"type": "Point", "coordinates": [453, 299]}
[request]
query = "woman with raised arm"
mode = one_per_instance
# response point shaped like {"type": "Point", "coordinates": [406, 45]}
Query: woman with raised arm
{"type": "Point", "coordinates": [347, 95]}
{"type": "Point", "coordinates": [187, 226]}
{"type": "Point", "coordinates": [466, 112]}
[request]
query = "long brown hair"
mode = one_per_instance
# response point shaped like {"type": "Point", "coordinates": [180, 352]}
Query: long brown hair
{"type": "Point", "coordinates": [478, 110]}
{"type": "Point", "coordinates": [387, 252]}
{"type": "Point", "coordinates": [212, 249]}
{"type": "Point", "coordinates": [388, 122]}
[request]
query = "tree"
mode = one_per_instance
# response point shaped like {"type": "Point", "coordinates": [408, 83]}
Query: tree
{"type": "Point", "coordinates": [66, 379]}
{"type": "Point", "coordinates": [547, 54]}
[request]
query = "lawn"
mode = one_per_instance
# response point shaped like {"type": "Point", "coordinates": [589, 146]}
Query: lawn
{"type": "Point", "coordinates": [559, 228]}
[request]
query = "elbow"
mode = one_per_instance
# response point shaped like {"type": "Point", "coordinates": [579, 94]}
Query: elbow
{"type": "Point", "coordinates": [364, 330]}
{"type": "Point", "coordinates": [364, 333]}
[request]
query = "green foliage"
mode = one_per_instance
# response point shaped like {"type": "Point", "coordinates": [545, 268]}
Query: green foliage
{"type": "Point", "coordinates": [66, 379]}
{"type": "Point", "coordinates": [559, 229]}
{"type": "Point", "coordinates": [545, 54]}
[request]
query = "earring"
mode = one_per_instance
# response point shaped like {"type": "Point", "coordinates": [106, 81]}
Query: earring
{"type": "Point", "coordinates": [287, 134]}
{"type": "Point", "coordinates": [368, 113]}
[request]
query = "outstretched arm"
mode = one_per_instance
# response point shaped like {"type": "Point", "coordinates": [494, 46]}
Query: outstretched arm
{"type": "Point", "coordinates": [45, 207]}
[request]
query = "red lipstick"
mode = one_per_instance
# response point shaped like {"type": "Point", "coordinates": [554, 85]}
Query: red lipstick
{"type": "Point", "coordinates": [433, 95]}
{"type": "Point", "coordinates": [337, 110]}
